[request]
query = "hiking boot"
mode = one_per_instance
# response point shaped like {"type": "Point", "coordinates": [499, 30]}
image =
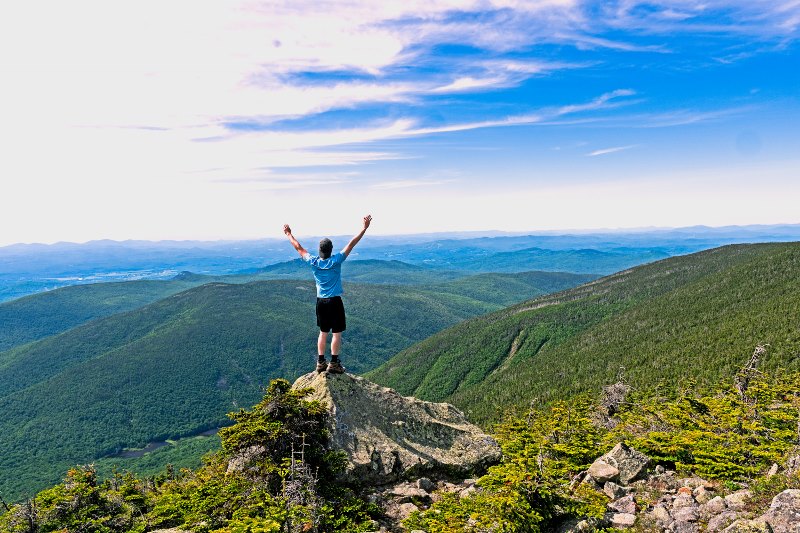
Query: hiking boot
{"type": "Point", "coordinates": [335, 368]}
{"type": "Point", "coordinates": [322, 366]}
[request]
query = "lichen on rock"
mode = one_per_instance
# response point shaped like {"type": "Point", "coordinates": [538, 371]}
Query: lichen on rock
{"type": "Point", "coordinates": [388, 437]}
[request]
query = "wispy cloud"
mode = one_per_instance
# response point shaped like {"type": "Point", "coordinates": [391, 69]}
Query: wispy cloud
{"type": "Point", "coordinates": [469, 83]}
{"type": "Point", "coordinates": [177, 95]}
{"type": "Point", "coordinates": [605, 151]}
{"type": "Point", "coordinates": [408, 183]}
{"type": "Point", "coordinates": [684, 117]}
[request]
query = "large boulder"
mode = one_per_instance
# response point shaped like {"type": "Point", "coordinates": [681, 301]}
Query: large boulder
{"type": "Point", "coordinates": [388, 437]}
{"type": "Point", "coordinates": [784, 512]}
{"type": "Point", "coordinates": [630, 463]}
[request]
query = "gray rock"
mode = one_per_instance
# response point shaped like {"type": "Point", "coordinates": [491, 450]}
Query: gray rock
{"type": "Point", "coordinates": [721, 521]}
{"type": "Point", "coordinates": [661, 515]}
{"type": "Point", "coordinates": [773, 470]}
{"type": "Point", "coordinates": [694, 482]}
{"type": "Point", "coordinates": [623, 520]}
{"type": "Point", "coordinates": [736, 501]}
{"type": "Point", "coordinates": [630, 463]}
{"type": "Point", "coordinates": [784, 512]}
{"type": "Point", "coordinates": [748, 526]}
{"type": "Point", "coordinates": [703, 495]}
{"type": "Point", "coordinates": [667, 481]}
{"type": "Point", "coordinates": [683, 500]}
{"type": "Point", "coordinates": [660, 469]}
{"type": "Point", "coordinates": [625, 505]}
{"type": "Point", "coordinates": [686, 514]}
{"type": "Point", "coordinates": [388, 437]}
{"type": "Point", "coordinates": [793, 464]}
{"type": "Point", "coordinates": [601, 471]}
{"type": "Point", "coordinates": [614, 491]}
{"type": "Point", "coordinates": [426, 484]}
{"type": "Point", "coordinates": [405, 510]}
{"type": "Point", "coordinates": [449, 487]}
{"type": "Point", "coordinates": [714, 506]}
{"type": "Point", "coordinates": [683, 527]}
{"type": "Point", "coordinates": [407, 493]}
{"type": "Point", "coordinates": [246, 459]}
{"type": "Point", "coordinates": [468, 491]}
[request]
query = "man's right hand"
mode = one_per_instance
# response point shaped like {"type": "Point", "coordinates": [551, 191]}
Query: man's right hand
{"type": "Point", "coordinates": [286, 229]}
{"type": "Point", "coordinates": [367, 220]}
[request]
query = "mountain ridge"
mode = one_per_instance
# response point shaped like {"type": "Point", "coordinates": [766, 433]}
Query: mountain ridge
{"type": "Point", "coordinates": [690, 316]}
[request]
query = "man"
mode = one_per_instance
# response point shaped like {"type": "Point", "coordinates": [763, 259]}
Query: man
{"type": "Point", "coordinates": [330, 310]}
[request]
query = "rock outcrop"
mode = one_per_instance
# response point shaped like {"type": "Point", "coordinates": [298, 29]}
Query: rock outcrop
{"type": "Point", "coordinates": [658, 500]}
{"type": "Point", "coordinates": [388, 437]}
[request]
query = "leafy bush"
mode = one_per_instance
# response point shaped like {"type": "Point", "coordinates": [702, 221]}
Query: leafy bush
{"type": "Point", "coordinates": [722, 434]}
{"type": "Point", "coordinates": [530, 489]}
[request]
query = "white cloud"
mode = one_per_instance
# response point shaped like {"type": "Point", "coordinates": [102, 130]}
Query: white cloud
{"type": "Point", "coordinates": [408, 183]}
{"type": "Point", "coordinates": [469, 83]}
{"type": "Point", "coordinates": [108, 101]}
{"type": "Point", "coordinates": [604, 151]}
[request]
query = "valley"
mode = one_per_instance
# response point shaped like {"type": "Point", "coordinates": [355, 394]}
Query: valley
{"type": "Point", "coordinates": [108, 370]}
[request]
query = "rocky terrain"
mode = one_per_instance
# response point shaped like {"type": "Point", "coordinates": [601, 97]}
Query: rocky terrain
{"type": "Point", "coordinates": [648, 497]}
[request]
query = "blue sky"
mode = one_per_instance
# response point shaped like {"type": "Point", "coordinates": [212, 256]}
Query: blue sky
{"type": "Point", "coordinates": [186, 120]}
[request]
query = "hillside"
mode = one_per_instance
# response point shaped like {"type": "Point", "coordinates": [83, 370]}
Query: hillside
{"type": "Point", "coordinates": [41, 315]}
{"type": "Point", "coordinates": [692, 317]}
{"type": "Point", "coordinates": [48, 313]}
{"type": "Point", "coordinates": [507, 289]}
{"type": "Point", "coordinates": [176, 366]}
{"type": "Point", "coordinates": [580, 260]}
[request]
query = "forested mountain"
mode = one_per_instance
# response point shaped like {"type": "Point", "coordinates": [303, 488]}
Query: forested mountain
{"type": "Point", "coordinates": [581, 260]}
{"type": "Point", "coordinates": [694, 317]}
{"type": "Point", "coordinates": [174, 367]}
{"type": "Point", "coordinates": [41, 315]}
{"type": "Point", "coordinates": [507, 289]}
{"type": "Point", "coordinates": [447, 264]}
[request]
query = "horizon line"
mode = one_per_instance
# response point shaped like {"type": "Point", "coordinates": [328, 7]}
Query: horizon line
{"type": "Point", "coordinates": [487, 233]}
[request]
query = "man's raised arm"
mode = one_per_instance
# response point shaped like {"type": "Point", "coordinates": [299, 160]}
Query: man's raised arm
{"type": "Point", "coordinates": [297, 246]}
{"type": "Point", "coordinates": [350, 245]}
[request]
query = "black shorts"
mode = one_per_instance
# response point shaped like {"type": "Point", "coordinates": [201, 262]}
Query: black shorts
{"type": "Point", "coordinates": [330, 314]}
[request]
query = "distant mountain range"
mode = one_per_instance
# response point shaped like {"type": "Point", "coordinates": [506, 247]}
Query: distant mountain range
{"type": "Point", "coordinates": [689, 318]}
{"type": "Point", "coordinates": [89, 370]}
{"type": "Point", "coordinates": [30, 268]}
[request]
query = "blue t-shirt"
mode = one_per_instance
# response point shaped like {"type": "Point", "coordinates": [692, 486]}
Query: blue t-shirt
{"type": "Point", "coordinates": [327, 274]}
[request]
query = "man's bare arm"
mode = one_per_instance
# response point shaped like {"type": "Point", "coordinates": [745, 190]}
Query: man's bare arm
{"type": "Point", "coordinates": [350, 245]}
{"type": "Point", "coordinates": [297, 246]}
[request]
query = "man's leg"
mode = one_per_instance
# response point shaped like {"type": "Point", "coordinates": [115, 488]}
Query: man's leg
{"type": "Point", "coordinates": [337, 327]}
{"type": "Point", "coordinates": [336, 344]}
{"type": "Point", "coordinates": [322, 341]}
{"type": "Point", "coordinates": [322, 365]}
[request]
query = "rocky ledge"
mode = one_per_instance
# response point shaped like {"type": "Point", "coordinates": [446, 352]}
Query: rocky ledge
{"type": "Point", "coordinates": [388, 437]}
{"type": "Point", "coordinates": [647, 498]}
